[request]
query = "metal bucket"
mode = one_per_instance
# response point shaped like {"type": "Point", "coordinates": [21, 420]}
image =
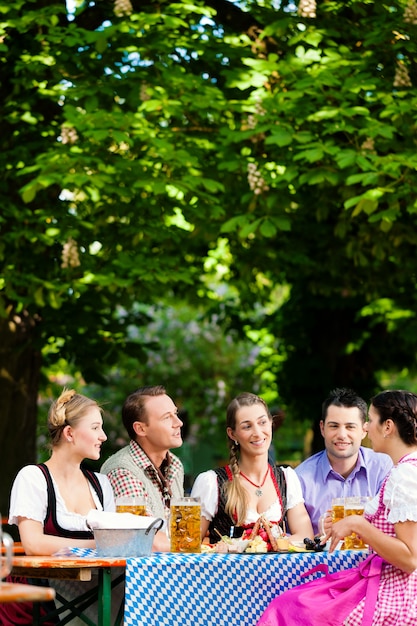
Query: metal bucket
{"type": "Point", "coordinates": [126, 542]}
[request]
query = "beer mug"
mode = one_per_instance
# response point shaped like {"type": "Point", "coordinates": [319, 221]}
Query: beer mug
{"type": "Point", "coordinates": [6, 555]}
{"type": "Point", "coordinates": [338, 513]}
{"type": "Point", "coordinates": [131, 504]}
{"type": "Point", "coordinates": [338, 509]}
{"type": "Point", "coordinates": [185, 525]}
{"type": "Point", "coordinates": [355, 505]}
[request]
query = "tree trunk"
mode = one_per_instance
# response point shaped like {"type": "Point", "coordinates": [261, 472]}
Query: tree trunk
{"type": "Point", "coordinates": [19, 381]}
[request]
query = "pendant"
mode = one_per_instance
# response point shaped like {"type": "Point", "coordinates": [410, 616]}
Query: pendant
{"type": "Point", "coordinates": [258, 492]}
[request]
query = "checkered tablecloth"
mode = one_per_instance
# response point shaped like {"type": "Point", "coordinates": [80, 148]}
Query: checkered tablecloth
{"type": "Point", "coordinates": [216, 589]}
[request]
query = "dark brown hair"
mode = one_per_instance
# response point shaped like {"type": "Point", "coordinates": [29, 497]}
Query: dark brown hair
{"type": "Point", "coordinates": [134, 407]}
{"type": "Point", "coordinates": [401, 407]}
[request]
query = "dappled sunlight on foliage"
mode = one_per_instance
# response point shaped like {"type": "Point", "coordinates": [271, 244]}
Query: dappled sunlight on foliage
{"type": "Point", "coordinates": [252, 162]}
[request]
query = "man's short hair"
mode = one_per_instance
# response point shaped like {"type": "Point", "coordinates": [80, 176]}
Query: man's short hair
{"type": "Point", "coordinates": [134, 407]}
{"type": "Point", "coordinates": [345, 397]}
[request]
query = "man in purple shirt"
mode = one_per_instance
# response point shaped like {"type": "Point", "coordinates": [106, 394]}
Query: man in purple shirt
{"type": "Point", "coordinates": [344, 468]}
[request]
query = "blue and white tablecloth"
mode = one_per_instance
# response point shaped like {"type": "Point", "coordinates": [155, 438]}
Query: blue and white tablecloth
{"type": "Point", "coordinates": [216, 589]}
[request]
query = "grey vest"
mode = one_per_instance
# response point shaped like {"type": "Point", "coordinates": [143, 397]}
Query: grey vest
{"type": "Point", "coordinates": [123, 459]}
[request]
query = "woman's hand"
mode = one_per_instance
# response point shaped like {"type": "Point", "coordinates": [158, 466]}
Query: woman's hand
{"type": "Point", "coordinates": [343, 528]}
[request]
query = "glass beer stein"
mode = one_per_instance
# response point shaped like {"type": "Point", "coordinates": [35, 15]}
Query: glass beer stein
{"type": "Point", "coordinates": [184, 527]}
{"type": "Point", "coordinates": [131, 504]}
{"type": "Point", "coordinates": [6, 554]}
{"type": "Point", "coordinates": [355, 505]}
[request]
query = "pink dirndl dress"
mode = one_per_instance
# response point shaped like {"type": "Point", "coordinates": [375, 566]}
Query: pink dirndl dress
{"type": "Point", "coordinates": [396, 603]}
{"type": "Point", "coordinates": [373, 594]}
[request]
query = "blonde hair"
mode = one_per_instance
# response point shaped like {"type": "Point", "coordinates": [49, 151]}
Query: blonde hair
{"type": "Point", "coordinates": [67, 410]}
{"type": "Point", "coordinates": [236, 495]}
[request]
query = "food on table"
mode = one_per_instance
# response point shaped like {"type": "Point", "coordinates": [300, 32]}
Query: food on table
{"type": "Point", "coordinates": [297, 548]}
{"type": "Point", "coordinates": [258, 539]}
{"type": "Point", "coordinates": [314, 544]}
{"type": "Point", "coordinates": [268, 528]}
{"type": "Point", "coordinates": [268, 531]}
{"type": "Point", "coordinates": [264, 536]}
{"type": "Point", "coordinates": [206, 548]}
{"type": "Point", "coordinates": [283, 543]}
{"type": "Point", "coordinates": [229, 544]}
{"type": "Point", "coordinates": [257, 545]}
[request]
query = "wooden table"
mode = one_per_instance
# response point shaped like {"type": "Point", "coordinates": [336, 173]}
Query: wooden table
{"type": "Point", "coordinates": [16, 592]}
{"type": "Point", "coordinates": [76, 568]}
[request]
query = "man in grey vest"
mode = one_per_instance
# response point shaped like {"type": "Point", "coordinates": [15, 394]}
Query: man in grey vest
{"type": "Point", "coordinates": [146, 467]}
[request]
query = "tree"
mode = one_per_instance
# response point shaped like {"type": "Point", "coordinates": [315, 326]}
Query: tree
{"type": "Point", "coordinates": [111, 184]}
{"type": "Point", "coordinates": [137, 136]}
{"type": "Point", "coordinates": [93, 192]}
{"type": "Point", "coordinates": [331, 158]}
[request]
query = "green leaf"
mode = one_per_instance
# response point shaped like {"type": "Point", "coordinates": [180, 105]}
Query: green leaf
{"type": "Point", "coordinates": [311, 156]}
{"type": "Point", "coordinates": [38, 297]}
{"type": "Point", "coordinates": [364, 178]}
{"type": "Point", "coordinates": [346, 158]}
{"type": "Point", "coordinates": [279, 136]}
{"type": "Point", "coordinates": [352, 111]}
{"type": "Point", "coordinates": [267, 228]}
{"type": "Point", "coordinates": [249, 228]}
{"type": "Point", "coordinates": [233, 224]}
{"type": "Point", "coordinates": [365, 205]}
{"type": "Point", "coordinates": [29, 192]}
{"type": "Point", "coordinates": [366, 202]}
{"type": "Point", "coordinates": [101, 44]}
{"type": "Point", "coordinates": [283, 223]}
{"type": "Point", "coordinates": [303, 136]}
{"type": "Point", "coordinates": [388, 215]}
{"type": "Point", "coordinates": [324, 114]}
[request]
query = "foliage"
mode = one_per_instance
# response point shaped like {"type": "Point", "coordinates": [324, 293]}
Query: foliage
{"type": "Point", "coordinates": [201, 366]}
{"type": "Point", "coordinates": [331, 210]}
{"type": "Point", "coordinates": [141, 140]}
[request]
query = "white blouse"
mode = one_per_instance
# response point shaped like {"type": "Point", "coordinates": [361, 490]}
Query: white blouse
{"type": "Point", "coordinates": [206, 488]}
{"type": "Point", "coordinates": [400, 495]}
{"type": "Point", "coordinates": [29, 498]}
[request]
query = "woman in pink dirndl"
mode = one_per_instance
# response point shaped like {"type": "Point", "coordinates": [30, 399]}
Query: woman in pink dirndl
{"type": "Point", "coordinates": [389, 527]}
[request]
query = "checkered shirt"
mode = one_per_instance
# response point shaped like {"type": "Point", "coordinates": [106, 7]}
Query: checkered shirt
{"type": "Point", "coordinates": [142, 478]}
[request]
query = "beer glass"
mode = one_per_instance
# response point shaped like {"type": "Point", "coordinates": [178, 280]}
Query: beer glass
{"type": "Point", "coordinates": [131, 504]}
{"type": "Point", "coordinates": [338, 513]}
{"type": "Point", "coordinates": [6, 554]}
{"type": "Point", "coordinates": [185, 525]}
{"type": "Point", "coordinates": [338, 509]}
{"type": "Point", "coordinates": [355, 505]}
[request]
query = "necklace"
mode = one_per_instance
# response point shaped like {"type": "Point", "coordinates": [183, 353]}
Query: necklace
{"type": "Point", "coordinates": [258, 491]}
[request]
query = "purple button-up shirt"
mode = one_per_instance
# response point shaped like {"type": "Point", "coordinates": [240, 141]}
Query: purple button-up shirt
{"type": "Point", "coordinates": [320, 483]}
